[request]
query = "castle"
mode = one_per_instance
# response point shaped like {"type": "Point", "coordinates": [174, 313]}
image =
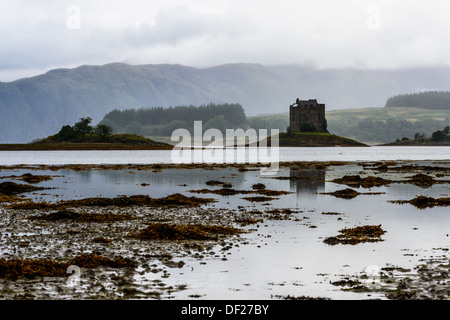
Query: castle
{"type": "Point", "coordinates": [307, 115]}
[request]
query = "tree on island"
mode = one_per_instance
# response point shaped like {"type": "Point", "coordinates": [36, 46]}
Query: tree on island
{"type": "Point", "coordinates": [441, 135]}
{"type": "Point", "coordinates": [103, 131]}
{"type": "Point", "coordinates": [438, 136]}
{"type": "Point", "coordinates": [83, 127]}
{"type": "Point", "coordinates": [66, 133]}
{"type": "Point", "coordinates": [82, 131]}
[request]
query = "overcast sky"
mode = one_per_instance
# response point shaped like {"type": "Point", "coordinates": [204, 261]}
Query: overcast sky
{"type": "Point", "coordinates": [39, 35]}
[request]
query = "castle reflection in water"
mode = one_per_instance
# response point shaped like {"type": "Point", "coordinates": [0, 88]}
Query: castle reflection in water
{"type": "Point", "coordinates": [307, 181]}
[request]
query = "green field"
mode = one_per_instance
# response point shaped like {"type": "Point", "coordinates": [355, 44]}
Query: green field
{"type": "Point", "coordinates": [383, 114]}
{"type": "Point", "coordinates": [384, 125]}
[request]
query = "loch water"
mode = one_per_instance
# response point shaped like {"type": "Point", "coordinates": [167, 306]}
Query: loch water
{"type": "Point", "coordinates": [282, 257]}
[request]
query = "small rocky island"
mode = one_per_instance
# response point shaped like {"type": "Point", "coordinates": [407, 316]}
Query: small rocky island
{"type": "Point", "coordinates": [82, 136]}
{"type": "Point", "coordinates": [308, 128]}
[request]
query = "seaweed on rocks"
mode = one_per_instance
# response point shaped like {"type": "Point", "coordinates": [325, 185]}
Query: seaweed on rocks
{"type": "Point", "coordinates": [423, 202]}
{"type": "Point", "coordinates": [30, 178]}
{"type": "Point", "coordinates": [367, 182]}
{"type": "Point", "coordinates": [222, 192]}
{"type": "Point", "coordinates": [10, 199]}
{"type": "Point", "coordinates": [349, 193]}
{"type": "Point", "coordinates": [123, 201]}
{"type": "Point", "coordinates": [259, 199]}
{"type": "Point", "coordinates": [163, 231]}
{"type": "Point", "coordinates": [81, 216]}
{"type": "Point", "coordinates": [258, 186]}
{"type": "Point", "coordinates": [344, 194]}
{"type": "Point", "coordinates": [10, 188]}
{"type": "Point", "coordinates": [31, 268]}
{"type": "Point", "coordinates": [231, 192]}
{"type": "Point", "coordinates": [218, 183]}
{"type": "Point", "coordinates": [357, 235]}
{"type": "Point", "coordinates": [422, 180]}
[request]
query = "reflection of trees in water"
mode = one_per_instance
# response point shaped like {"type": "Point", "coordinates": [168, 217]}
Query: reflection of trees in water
{"type": "Point", "coordinates": [307, 181]}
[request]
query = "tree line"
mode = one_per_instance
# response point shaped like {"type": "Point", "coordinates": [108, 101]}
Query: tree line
{"type": "Point", "coordinates": [161, 121]}
{"type": "Point", "coordinates": [425, 100]}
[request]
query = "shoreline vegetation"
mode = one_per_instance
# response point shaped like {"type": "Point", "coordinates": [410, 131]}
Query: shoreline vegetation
{"type": "Point", "coordinates": [83, 136]}
{"type": "Point", "coordinates": [316, 139]}
{"type": "Point", "coordinates": [83, 146]}
{"type": "Point", "coordinates": [135, 142]}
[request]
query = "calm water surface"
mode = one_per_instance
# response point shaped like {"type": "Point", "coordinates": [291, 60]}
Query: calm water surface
{"type": "Point", "coordinates": [164, 156]}
{"type": "Point", "coordinates": [282, 257]}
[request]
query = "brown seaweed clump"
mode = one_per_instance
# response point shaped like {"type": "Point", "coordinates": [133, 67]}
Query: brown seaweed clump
{"type": "Point", "coordinates": [258, 186]}
{"type": "Point", "coordinates": [357, 235]}
{"type": "Point", "coordinates": [357, 181]}
{"type": "Point", "coordinates": [345, 194]}
{"type": "Point", "coordinates": [422, 180]}
{"type": "Point", "coordinates": [81, 216]}
{"type": "Point", "coordinates": [101, 240]}
{"type": "Point", "coordinates": [163, 231]}
{"type": "Point", "coordinates": [423, 202]}
{"type": "Point", "coordinates": [94, 261]}
{"type": "Point", "coordinates": [30, 178]}
{"type": "Point", "coordinates": [258, 199]}
{"type": "Point", "coordinates": [271, 193]}
{"type": "Point", "coordinates": [231, 192]}
{"type": "Point", "coordinates": [349, 193]}
{"type": "Point", "coordinates": [279, 214]}
{"type": "Point", "coordinates": [19, 268]}
{"type": "Point", "coordinates": [222, 192]}
{"type": "Point", "coordinates": [10, 188]}
{"type": "Point", "coordinates": [123, 201]}
{"type": "Point", "coordinates": [218, 183]}
{"type": "Point", "coordinates": [10, 199]}
{"type": "Point", "coordinates": [140, 200]}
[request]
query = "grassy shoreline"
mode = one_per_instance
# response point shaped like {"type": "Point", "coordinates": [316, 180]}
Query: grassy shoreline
{"type": "Point", "coordinates": [80, 146]}
{"type": "Point", "coordinates": [316, 139]}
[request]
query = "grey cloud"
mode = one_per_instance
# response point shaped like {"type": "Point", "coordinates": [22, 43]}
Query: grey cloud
{"type": "Point", "coordinates": [34, 33]}
{"type": "Point", "coordinates": [175, 25]}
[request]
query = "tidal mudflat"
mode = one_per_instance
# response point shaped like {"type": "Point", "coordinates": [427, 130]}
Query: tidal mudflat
{"type": "Point", "coordinates": [315, 230]}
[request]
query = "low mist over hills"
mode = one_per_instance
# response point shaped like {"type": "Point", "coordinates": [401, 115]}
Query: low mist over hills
{"type": "Point", "coordinates": [36, 107]}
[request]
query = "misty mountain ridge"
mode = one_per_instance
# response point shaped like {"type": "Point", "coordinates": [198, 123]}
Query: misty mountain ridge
{"type": "Point", "coordinates": [36, 107]}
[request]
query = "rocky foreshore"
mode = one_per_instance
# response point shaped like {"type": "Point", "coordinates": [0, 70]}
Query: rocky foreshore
{"type": "Point", "coordinates": [102, 248]}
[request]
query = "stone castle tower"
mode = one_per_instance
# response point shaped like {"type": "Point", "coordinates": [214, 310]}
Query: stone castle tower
{"type": "Point", "coordinates": [306, 114]}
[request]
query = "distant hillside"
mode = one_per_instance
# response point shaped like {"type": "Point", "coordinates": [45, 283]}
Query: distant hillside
{"type": "Point", "coordinates": [427, 100]}
{"type": "Point", "coordinates": [35, 107]}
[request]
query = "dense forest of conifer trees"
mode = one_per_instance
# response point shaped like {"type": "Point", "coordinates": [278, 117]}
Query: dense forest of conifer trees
{"type": "Point", "coordinates": [425, 100]}
{"type": "Point", "coordinates": [160, 121]}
